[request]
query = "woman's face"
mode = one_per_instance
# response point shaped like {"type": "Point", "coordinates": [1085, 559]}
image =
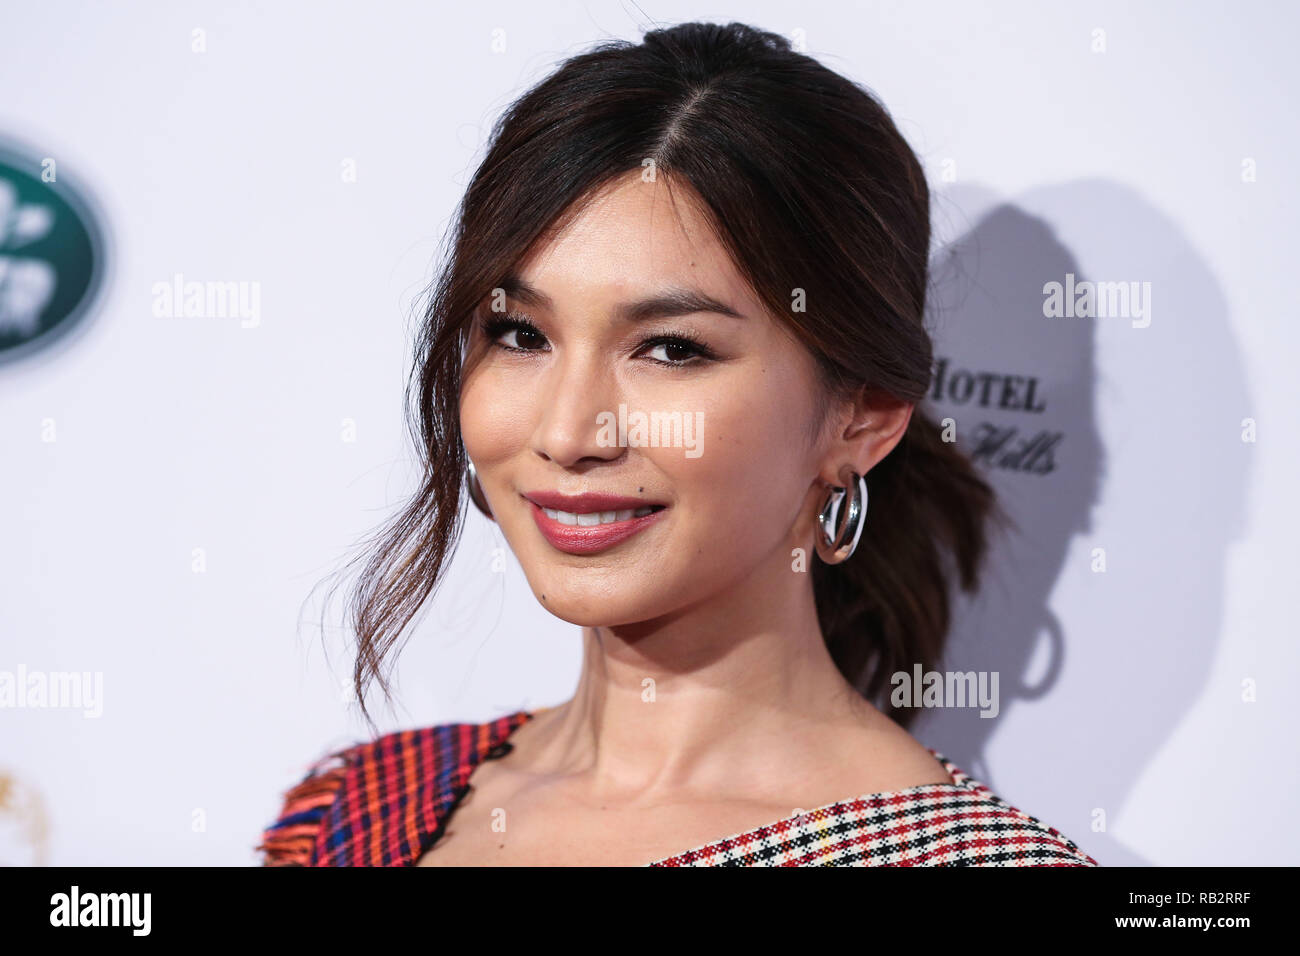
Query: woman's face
{"type": "Point", "coordinates": [551, 408]}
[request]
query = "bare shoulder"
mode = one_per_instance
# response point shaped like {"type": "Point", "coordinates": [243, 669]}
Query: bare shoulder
{"type": "Point", "coordinates": [882, 757]}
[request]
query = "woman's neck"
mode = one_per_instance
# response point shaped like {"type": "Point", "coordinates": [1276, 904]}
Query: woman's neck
{"type": "Point", "coordinates": [704, 699]}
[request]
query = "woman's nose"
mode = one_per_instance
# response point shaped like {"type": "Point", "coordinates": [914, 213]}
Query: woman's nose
{"type": "Point", "coordinates": [575, 391]}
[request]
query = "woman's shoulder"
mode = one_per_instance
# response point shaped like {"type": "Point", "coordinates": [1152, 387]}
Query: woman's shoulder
{"type": "Point", "coordinates": [967, 824]}
{"type": "Point", "coordinates": [361, 804]}
{"type": "Point", "coordinates": [374, 803]}
{"type": "Point", "coordinates": [959, 823]}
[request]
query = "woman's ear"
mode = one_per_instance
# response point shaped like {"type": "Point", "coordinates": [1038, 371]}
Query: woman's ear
{"type": "Point", "coordinates": [871, 425]}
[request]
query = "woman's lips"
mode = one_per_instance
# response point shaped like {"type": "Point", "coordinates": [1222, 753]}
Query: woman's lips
{"type": "Point", "coordinates": [590, 538]}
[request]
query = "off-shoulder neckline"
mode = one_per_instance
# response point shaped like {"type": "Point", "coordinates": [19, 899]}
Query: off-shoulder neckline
{"type": "Point", "coordinates": [961, 783]}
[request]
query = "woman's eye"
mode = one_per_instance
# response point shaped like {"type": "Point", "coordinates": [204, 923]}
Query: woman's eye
{"type": "Point", "coordinates": [517, 334]}
{"type": "Point", "coordinates": [522, 337]}
{"type": "Point", "coordinates": [514, 334]}
{"type": "Point", "coordinates": [673, 352]}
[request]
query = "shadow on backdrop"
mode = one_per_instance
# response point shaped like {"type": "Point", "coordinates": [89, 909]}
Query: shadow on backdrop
{"type": "Point", "coordinates": [1174, 395]}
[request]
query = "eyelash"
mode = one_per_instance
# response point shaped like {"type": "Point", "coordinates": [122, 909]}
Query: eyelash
{"type": "Point", "coordinates": [495, 326]}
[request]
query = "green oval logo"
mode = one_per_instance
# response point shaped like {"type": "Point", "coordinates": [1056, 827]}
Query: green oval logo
{"type": "Point", "coordinates": [51, 254]}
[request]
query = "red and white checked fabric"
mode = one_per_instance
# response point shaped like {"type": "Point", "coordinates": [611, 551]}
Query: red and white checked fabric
{"type": "Point", "coordinates": [384, 803]}
{"type": "Point", "coordinates": [959, 824]}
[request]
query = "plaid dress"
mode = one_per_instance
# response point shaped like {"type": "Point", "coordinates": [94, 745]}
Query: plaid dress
{"type": "Point", "coordinates": [384, 803]}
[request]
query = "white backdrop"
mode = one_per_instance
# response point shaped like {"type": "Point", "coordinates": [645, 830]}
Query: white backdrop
{"type": "Point", "coordinates": [1148, 710]}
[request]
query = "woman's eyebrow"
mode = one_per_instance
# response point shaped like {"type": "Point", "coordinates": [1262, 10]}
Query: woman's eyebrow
{"type": "Point", "coordinates": [666, 304]}
{"type": "Point", "coordinates": [672, 302]}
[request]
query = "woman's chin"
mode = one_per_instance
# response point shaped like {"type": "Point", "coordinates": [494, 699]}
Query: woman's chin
{"type": "Point", "coordinates": [591, 609]}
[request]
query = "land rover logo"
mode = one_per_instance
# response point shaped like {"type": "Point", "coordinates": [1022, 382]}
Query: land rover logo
{"type": "Point", "coordinates": [51, 253]}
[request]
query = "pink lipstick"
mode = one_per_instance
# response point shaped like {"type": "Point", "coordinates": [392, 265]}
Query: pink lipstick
{"type": "Point", "coordinates": [590, 523]}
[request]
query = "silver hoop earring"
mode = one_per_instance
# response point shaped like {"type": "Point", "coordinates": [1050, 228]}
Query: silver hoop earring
{"type": "Point", "coordinates": [836, 539]}
{"type": "Point", "coordinates": [476, 491]}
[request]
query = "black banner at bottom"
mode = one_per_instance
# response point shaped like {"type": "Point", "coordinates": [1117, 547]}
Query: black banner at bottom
{"type": "Point", "coordinates": [925, 904]}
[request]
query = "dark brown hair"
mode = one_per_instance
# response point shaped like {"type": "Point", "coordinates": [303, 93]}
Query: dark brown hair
{"type": "Point", "coordinates": [810, 186]}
